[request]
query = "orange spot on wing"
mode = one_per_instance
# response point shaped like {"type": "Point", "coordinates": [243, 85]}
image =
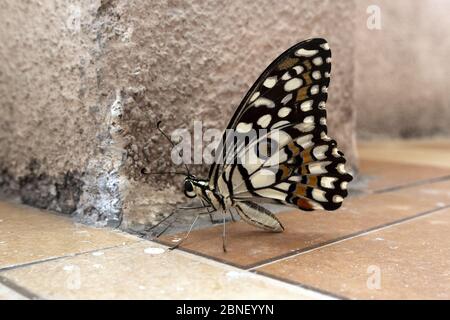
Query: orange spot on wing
{"type": "Point", "coordinates": [303, 204]}
{"type": "Point", "coordinates": [286, 64]}
{"type": "Point", "coordinates": [307, 78]}
{"type": "Point", "coordinates": [303, 170]}
{"type": "Point", "coordinates": [300, 191]}
{"type": "Point", "coordinates": [286, 172]}
{"type": "Point", "coordinates": [302, 93]}
{"type": "Point", "coordinates": [307, 64]}
{"type": "Point", "coordinates": [306, 156]}
{"type": "Point", "coordinates": [312, 180]}
{"type": "Point", "coordinates": [293, 148]}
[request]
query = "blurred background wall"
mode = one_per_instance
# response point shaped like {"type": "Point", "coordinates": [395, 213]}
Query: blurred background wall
{"type": "Point", "coordinates": [402, 71]}
{"type": "Point", "coordinates": [82, 84]}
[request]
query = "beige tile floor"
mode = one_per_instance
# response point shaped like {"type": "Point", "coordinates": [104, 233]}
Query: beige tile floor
{"type": "Point", "coordinates": [48, 256]}
{"type": "Point", "coordinates": [30, 235]}
{"type": "Point", "coordinates": [411, 261]}
{"type": "Point", "coordinates": [7, 293]}
{"type": "Point", "coordinates": [390, 241]}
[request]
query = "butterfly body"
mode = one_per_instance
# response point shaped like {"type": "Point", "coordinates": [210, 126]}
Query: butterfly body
{"type": "Point", "coordinates": [247, 210]}
{"type": "Point", "coordinates": [294, 161]}
{"type": "Point", "coordinates": [194, 187]}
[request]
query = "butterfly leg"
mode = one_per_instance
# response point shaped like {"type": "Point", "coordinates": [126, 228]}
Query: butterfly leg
{"type": "Point", "coordinates": [189, 231]}
{"type": "Point", "coordinates": [211, 217]}
{"type": "Point", "coordinates": [232, 216]}
{"type": "Point", "coordinates": [161, 222]}
{"type": "Point", "coordinates": [187, 234]}
{"type": "Point", "coordinates": [224, 234]}
{"type": "Point", "coordinates": [171, 214]}
{"type": "Point", "coordinates": [209, 212]}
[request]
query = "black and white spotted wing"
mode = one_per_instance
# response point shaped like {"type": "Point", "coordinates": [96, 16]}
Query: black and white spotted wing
{"type": "Point", "coordinates": [306, 169]}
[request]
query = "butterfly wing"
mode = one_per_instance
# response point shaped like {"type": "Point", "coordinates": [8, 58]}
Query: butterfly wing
{"type": "Point", "coordinates": [305, 169]}
{"type": "Point", "coordinates": [266, 97]}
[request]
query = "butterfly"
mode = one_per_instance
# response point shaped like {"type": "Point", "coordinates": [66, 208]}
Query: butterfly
{"type": "Point", "coordinates": [302, 167]}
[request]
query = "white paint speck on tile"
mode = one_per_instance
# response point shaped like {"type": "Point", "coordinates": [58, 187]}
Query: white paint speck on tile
{"type": "Point", "coordinates": [152, 250]}
{"type": "Point", "coordinates": [98, 253]}
{"type": "Point", "coordinates": [69, 268]}
{"type": "Point", "coordinates": [237, 274]}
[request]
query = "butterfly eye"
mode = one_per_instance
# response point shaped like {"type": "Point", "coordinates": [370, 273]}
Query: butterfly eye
{"type": "Point", "coordinates": [189, 189]}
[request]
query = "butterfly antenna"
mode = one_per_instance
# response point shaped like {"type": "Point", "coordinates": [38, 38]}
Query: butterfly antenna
{"type": "Point", "coordinates": [161, 221]}
{"type": "Point", "coordinates": [158, 126]}
{"type": "Point", "coordinates": [144, 171]}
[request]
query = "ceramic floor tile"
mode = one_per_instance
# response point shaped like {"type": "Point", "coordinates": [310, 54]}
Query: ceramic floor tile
{"type": "Point", "coordinates": [28, 235]}
{"type": "Point", "coordinates": [9, 294]}
{"type": "Point", "coordinates": [434, 153]}
{"type": "Point", "coordinates": [147, 270]}
{"type": "Point", "coordinates": [383, 175]}
{"type": "Point", "coordinates": [410, 260]}
{"type": "Point", "coordinates": [249, 247]}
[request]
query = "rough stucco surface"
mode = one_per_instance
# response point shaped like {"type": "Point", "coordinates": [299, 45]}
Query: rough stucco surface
{"type": "Point", "coordinates": [402, 74]}
{"type": "Point", "coordinates": [84, 84]}
{"type": "Point", "coordinates": [56, 146]}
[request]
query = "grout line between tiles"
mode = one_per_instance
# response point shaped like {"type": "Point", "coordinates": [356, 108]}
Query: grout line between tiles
{"type": "Point", "coordinates": [19, 289]}
{"type": "Point", "coordinates": [27, 264]}
{"type": "Point", "coordinates": [308, 290]}
{"type": "Point", "coordinates": [197, 254]}
{"type": "Point", "coordinates": [200, 254]}
{"type": "Point", "coordinates": [301, 285]}
{"type": "Point", "coordinates": [344, 238]}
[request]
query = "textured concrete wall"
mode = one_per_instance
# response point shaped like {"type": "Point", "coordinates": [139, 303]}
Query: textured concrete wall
{"type": "Point", "coordinates": [85, 82]}
{"type": "Point", "coordinates": [56, 147]}
{"type": "Point", "coordinates": [402, 74]}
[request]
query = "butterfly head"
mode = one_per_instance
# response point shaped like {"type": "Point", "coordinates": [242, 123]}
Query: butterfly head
{"type": "Point", "coordinates": [194, 187]}
{"type": "Point", "coordinates": [189, 187]}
